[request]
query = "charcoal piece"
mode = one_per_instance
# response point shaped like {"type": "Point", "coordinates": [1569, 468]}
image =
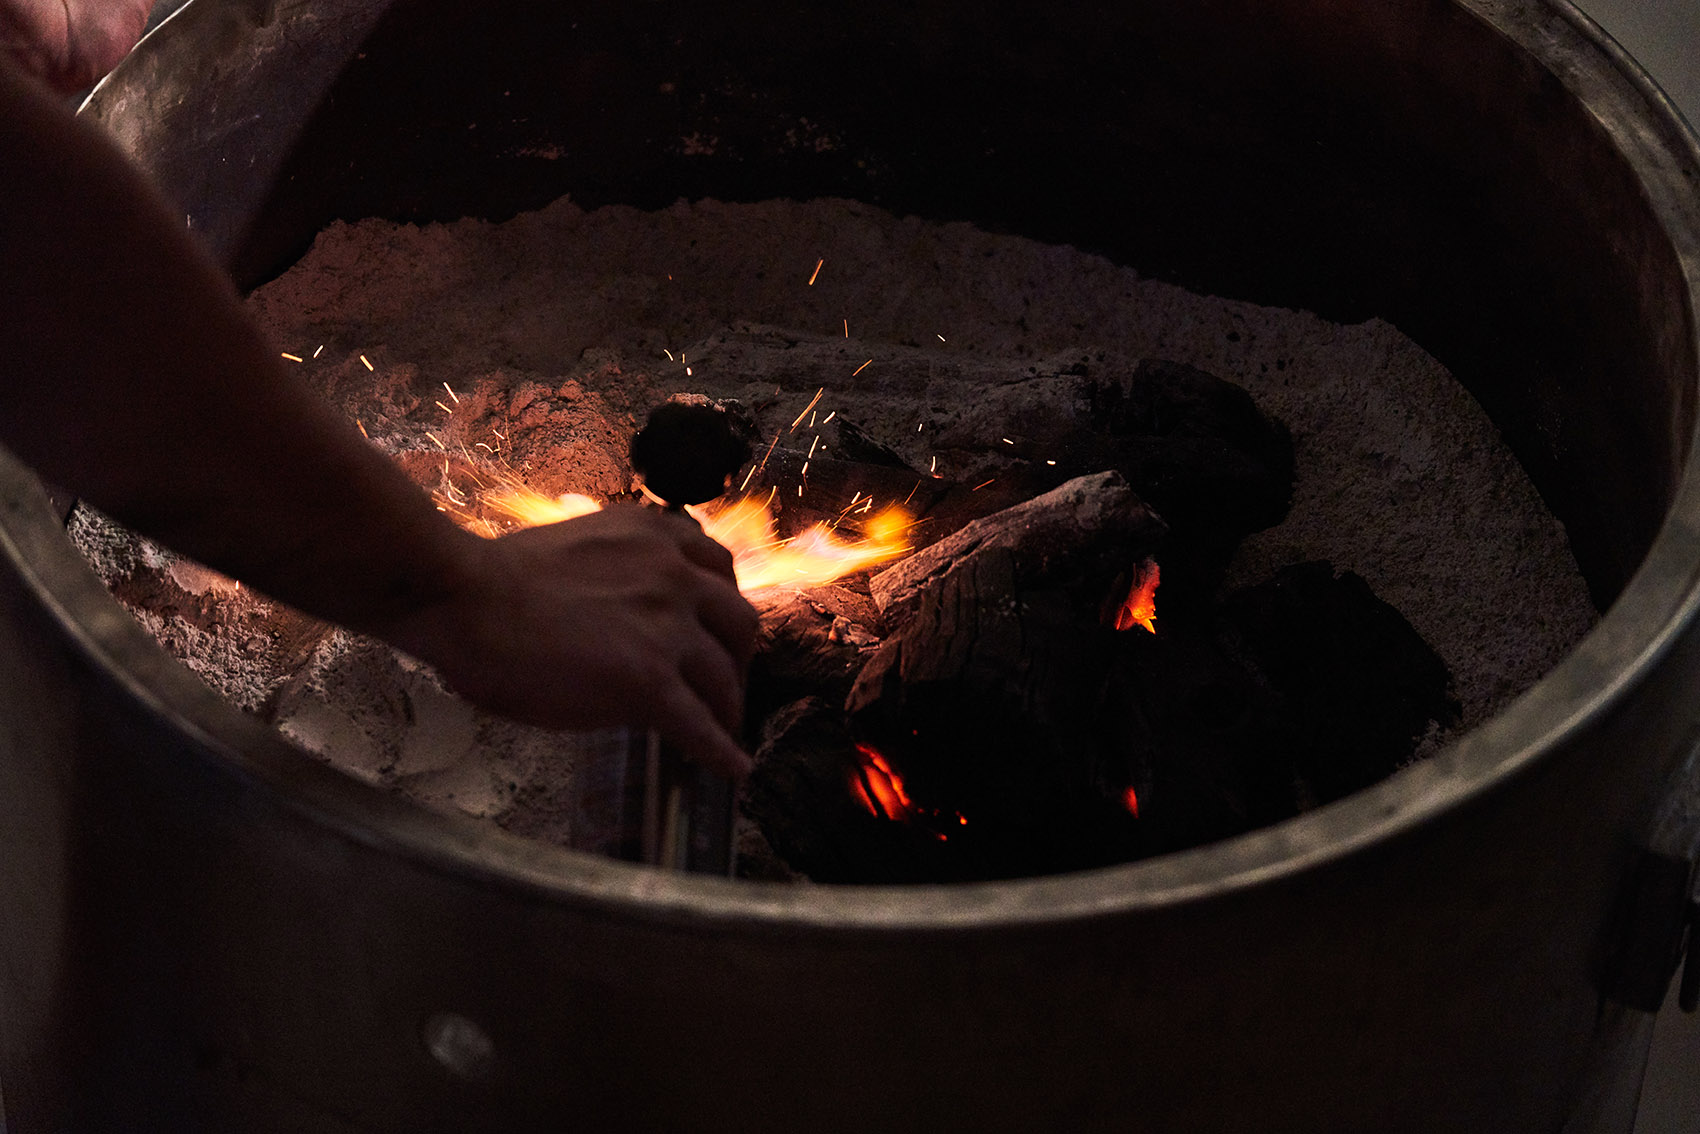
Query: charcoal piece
{"type": "Point", "coordinates": [1079, 537]}
{"type": "Point", "coordinates": [1195, 446]}
{"type": "Point", "coordinates": [856, 444]}
{"type": "Point", "coordinates": [688, 451]}
{"type": "Point", "coordinates": [1197, 449]}
{"type": "Point", "coordinates": [1206, 743]}
{"type": "Point", "coordinates": [801, 796]}
{"type": "Point", "coordinates": [832, 484]}
{"type": "Point", "coordinates": [988, 699]}
{"type": "Point", "coordinates": [808, 643]}
{"type": "Point", "coordinates": [1361, 684]}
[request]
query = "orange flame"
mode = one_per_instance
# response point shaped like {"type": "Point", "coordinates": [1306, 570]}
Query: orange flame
{"type": "Point", "coordinates": [745, 527]}
{"type": "Point", "coordinates": [530, 509]}
{"type": "Point", "coordinates": [1130, 800]}
{"type": "Point", "coordinates": [1140, 606]}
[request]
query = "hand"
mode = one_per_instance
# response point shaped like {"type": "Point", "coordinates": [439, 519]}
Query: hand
{"type": "Point", "coordinates": [70, 44]}
{"type": "Point", "coordinates": [626, 616]}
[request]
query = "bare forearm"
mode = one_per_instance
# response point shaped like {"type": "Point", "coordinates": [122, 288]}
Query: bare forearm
{"type": "Point", "coordinates": [135, 379]}
{"type": "Point", "coordinates": [173, 414]}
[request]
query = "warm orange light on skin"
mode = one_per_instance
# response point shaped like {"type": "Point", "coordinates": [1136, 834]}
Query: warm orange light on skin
{"type": "Point", "coordinates": [1140, 606]}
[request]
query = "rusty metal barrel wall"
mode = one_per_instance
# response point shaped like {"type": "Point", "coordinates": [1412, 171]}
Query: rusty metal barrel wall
{"type": "Point", "coordinates": [202, 929]}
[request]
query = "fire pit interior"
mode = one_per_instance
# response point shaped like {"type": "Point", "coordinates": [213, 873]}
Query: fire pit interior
{"type": "Point", "coordinates": [234, 931]}
{"type": "Point", "coordinates": [1059, 566]}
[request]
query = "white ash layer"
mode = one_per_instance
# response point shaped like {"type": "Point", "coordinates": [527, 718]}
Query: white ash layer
{"type": "Point", "coordinates": [938, 340]}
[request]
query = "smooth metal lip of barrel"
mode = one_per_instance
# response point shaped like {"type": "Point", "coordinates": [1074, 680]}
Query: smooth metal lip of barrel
{"type": "Point", "coordinates": [1656, 612]}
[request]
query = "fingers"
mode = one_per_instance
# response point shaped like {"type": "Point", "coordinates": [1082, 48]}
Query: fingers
{"type": "Point", "coordinates": [729, 617]}
{"type": "Point", "coordinates": [718, 682]}
{"type": "Point", "coordinates": [624, 616]}
{"type": "Point", "coordinates": [689, 727]}
{"type": "Point", "coordinates": [702, 550]}
{"type": "Point", "coordinates": [720, 608]}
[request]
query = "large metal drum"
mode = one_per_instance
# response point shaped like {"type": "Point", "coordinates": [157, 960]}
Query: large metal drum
{"type": "Point", "coordinates": [202, 929]}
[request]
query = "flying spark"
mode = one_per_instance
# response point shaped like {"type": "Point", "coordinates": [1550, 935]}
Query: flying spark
{"type": "Point", "coordinates": [815, 401]}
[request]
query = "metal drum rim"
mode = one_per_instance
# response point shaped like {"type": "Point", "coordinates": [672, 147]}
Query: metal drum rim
{"type": "Point", "coordinates": [1656, 611]}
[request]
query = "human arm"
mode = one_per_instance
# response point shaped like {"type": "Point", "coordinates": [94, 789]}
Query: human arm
{"type": "Point", "coordinates": [70, 44]}
{"type": "Point", "coordinates": [135, 378]}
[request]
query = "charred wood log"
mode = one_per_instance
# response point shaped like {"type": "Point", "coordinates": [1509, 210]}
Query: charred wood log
{"type": "Point", "coordinates": [803, 795]}
{"type": "Point", "coordinates": [1196, 448]}
{"type": "Point", "coordinates": [988, 702]}
{"type": "Point", "coordinates": [1078, 537]}
{"type": "Point", "coordinates": [1201, 738]}
{"type": "Point", "coordinates": [809, 643]}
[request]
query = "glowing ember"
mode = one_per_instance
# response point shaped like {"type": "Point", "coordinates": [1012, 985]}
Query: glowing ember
{"type": "Point", "coordinates": [877, 787]}
{"type": "Point", "coordinates": [745, 527]}
{"type": "Point", "coordinates": [1140, 606]}
{"type": "Point", "coordinates": [1130, 800]}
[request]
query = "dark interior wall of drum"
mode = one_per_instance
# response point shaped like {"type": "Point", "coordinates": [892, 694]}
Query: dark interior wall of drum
{"type": "Point", "coordinates": [1376, 166]}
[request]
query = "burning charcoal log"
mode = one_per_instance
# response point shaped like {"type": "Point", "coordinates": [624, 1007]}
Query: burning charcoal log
{"type": "Point", "coordinates": [1081, 535]}
{"type": "Point", "coordinates": [1362, 685]}
{"type": "Point", "coordinates": [1201, 738]}
{"type": "Point", "coordinates": [987, 702]}
{"type": "Point", "coordinates": [812, 798]}
{"type": "Point", "coordinates": [1194, 447]}
{"type": "Point", "coordinates": [809, 642]}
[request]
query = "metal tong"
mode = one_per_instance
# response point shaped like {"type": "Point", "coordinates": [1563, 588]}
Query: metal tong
{"type": "Point", "coordinates": [656, 808]}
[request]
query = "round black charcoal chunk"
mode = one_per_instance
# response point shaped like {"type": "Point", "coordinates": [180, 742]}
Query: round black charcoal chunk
{"type": "Point", "coordinates": [686, 453]}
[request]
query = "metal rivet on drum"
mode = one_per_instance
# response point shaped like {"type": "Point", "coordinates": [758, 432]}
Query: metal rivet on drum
{"type": "Point", "coordinates": [460, 1045]}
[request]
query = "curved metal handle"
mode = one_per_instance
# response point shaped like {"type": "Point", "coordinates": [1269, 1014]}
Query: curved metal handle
{"type": "Point", "coordinates": [1661, 926]}
{"type": "Point", "coordinates": [1688, 994]}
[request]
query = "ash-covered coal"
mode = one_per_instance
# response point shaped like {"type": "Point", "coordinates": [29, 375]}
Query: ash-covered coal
{"type": "Point", "coordinates": [943, 363]}
{"type": "Point", "coordinates": [1012, 728]}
